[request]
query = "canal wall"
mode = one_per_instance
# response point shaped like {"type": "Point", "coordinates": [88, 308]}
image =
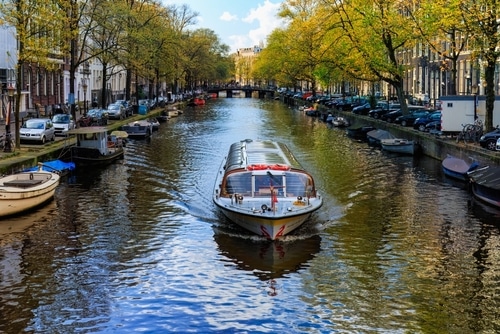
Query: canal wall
{"type": "Point", "coordinates": [432, 145]}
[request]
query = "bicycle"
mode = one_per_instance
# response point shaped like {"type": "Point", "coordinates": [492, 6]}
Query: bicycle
{"type": "Point", "coordinates": [471, 132]}
{"type": "Point", "coordinates": [2, 143]}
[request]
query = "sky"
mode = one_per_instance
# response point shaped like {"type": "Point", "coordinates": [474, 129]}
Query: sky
{"type": "Point", "coordinates": [238, 23]}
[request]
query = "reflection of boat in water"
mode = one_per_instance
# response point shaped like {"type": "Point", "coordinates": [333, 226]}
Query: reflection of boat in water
{"type": "Point", "coordinates": [268, 259]}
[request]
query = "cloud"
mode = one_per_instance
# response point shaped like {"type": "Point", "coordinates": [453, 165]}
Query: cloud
{"type": "Point", "coordinates": [266, 16]}
{"type": "Point", "coordinates": [226, 16]}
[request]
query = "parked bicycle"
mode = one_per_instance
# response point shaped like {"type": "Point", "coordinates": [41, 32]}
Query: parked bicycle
{"type": "Point", "coordinates": [3, 141]}
{"type": "Point", "coordinates": [471, 133]}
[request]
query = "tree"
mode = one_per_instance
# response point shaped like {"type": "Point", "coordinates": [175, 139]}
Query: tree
{"type": "Point", "coordinates": [40, 28]}
{"type": "Point", "coordinates": [481, 19]}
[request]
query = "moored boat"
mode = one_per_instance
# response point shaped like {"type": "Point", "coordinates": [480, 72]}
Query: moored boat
{"type": "Point", "coordinates": [359, 133]}
{"type": "Point", "coordinates": [340, 121]}
{"type": "Point", "coordinates": [26, 190]}
{"type": "Point", "coordinates": [138, 129]}
{"type": "Point", "coordinates": [261, 187]}
{"type": "Point", "coordinates": [457, 168]}
{"type": "Point", "coordinates": [399, 145]}
{"type": "Point", "coordinates": [95, 147]}
{"type": "Point", "coordinates": [56, 166]}
{"type": "Point", "coordinates": [197, 101]}
{"type": "Point", "coordinates": [485, 184]}
{"type": "Point", "coordinates": [375, 136]}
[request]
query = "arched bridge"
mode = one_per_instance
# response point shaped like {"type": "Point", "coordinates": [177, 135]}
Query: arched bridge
{"type": "Point", "coordinates": [235, 91]}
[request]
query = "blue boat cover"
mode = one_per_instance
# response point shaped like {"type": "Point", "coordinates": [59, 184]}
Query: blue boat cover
{"type": "Point", "coordinates": [54, 165]}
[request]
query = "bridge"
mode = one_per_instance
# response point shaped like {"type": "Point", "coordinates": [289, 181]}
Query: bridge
{"type": "Point", "coordinates": [235, 91]}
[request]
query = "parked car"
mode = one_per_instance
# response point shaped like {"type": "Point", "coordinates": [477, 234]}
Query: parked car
{"type": "Point", "coordinates": [382, 110]}
{"type": "Point", "coordinates": [362, 109]}
{"type": "Point", "coordinates": [37, 129]}
{"type": "Point", "coordinates": [63, 123]}
{"type": "Point", "coordinates": [421, 122]}
{"type": "Point", "coordinates": [498, 144]}
{"type": "Point", "coordinates": [391, 116]}
{"type": "Point", "coordinates": [116, 111]}
{"type": "Point", "coordinates": [433, 126]}
{"type": "Point", "coordinates": [127, 106]}
{"type": "Point", "coordinates": [489, 140]}
{"type": "Point", "coordinates": [409, 119]}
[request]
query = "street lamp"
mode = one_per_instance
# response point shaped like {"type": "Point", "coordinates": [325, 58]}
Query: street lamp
{"type": "Point", "coordinates": [84, 86]}
{"type": "Point", "coordinates": [474, 89]}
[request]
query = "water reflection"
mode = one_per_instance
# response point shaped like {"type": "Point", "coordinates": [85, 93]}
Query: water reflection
{"type": "Point", "coordinates": [139, 245]}
{"type": "Point", "coordinates": [265, 259]}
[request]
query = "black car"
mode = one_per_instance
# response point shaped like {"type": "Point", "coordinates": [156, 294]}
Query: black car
{"type": "Point", "coordinates": [409, 119]}
{"type": "Point", "coordinates": [432, 127]}
{"type": "Point", "coordinates": [382, 110]}
{"type": "Point", "coordinates": [362, 109]}
{"type": "Point", "coordinates": [421, 122]}
{"type": "Point", "coordinates": [391, 116]}
{"type": "Point", "coordinates": [489, 140]}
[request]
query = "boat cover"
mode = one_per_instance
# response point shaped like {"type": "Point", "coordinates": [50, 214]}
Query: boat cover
{"type": "Point", "coordinates": [54, 165]}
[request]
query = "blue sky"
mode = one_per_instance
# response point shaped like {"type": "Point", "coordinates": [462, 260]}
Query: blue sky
{"type": "Point", "coordinates": [238, 23]}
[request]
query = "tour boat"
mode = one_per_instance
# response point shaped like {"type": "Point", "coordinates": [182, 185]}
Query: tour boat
{"type": "Point", "coordinates": [26, 190]}
{"type": "Point", "coordinates": [262, 188]}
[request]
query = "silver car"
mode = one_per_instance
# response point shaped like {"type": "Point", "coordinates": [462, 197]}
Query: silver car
{"type": "Point", "coordinates": [63, 123]}
{"type": "Point", "coordinates": [37, 129]}
{"type": "Point", "coordinates": [116, 111]}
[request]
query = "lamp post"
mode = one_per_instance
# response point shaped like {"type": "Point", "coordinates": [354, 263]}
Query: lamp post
{"type": "Point", "coordinates": [8, 147]}
{"type": "Point", "coordinates": [474, 89]}
{"type": "Point", "coordinates": [84, 86]}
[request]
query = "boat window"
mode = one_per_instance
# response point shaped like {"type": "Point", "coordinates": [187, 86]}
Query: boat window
{"type": "Point", "coordinates": [238, 183]}
{"type": "Point", "coordinates": [298, 184]}
{"type": "Point", "coordinates": [264, 184]}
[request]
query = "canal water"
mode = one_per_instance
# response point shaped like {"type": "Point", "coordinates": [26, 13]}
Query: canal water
{"type": "Point", "coordinates": [140, 247]}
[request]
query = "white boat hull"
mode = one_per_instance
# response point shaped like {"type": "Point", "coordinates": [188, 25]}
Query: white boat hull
{"type": "Point", "coordinates": [21, 192]}
{"type": "Point", "coordinates": [397, 145]}
{"type": "Point", "coordinates": [285, 218]}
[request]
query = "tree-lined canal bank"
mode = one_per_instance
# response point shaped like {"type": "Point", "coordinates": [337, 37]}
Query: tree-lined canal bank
{"type": "Point", "coordinates": [396, 246]}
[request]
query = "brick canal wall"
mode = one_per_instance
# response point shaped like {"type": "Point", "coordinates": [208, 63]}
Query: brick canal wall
{"type": "Point", "coordinates": [435, 146]}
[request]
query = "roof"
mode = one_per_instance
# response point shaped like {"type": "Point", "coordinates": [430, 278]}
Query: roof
{"type": "Point", "coordinates": [88, 129]}
{"type": "Point", "coordinates": [249, 152]}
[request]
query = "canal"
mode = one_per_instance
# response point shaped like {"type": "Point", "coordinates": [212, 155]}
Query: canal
{"type": "Point", "coordinates": [140, 247]}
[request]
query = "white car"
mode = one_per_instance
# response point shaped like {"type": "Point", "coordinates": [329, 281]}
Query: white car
{"type": "Point", "coordinates": [498, 144]}
{"type": "Point", "coordinates": [63, 123]}
{"type": "Point", "coordinates": [37, 129]}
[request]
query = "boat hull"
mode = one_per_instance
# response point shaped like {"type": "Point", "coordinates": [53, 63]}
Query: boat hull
{"type": "Point", "coordinates": [83, 156]}
{"type": "Point", "coordinates": [138, 129]}
{"type": "Point", "coordinates": [269, 224]}
{"type": "Point", "coordinates": [457, 168]}
{"type": "Point", "coordinates": [400, 146]}
{"type": "Point", "coordinates": [16, 194]}
{"type": "Point", "coordinates": [485, 185]}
